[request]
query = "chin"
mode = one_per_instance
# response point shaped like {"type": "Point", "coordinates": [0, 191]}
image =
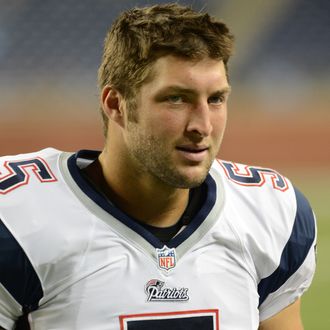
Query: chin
{"type": "Point", "coordinates": [193, 180]}
{"type": "Point", "coordinates": [196, 173]}
{"type": "Point", "coordinates": [183, 176]}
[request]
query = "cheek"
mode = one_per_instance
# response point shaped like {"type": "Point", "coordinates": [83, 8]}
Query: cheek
{"type": "Point", "coordinates": [168, 124]}
{"type": "Point", "coordinates": [219, 121]}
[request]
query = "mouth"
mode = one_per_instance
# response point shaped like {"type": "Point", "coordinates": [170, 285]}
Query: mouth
{"type": "Point", "coordinates": [193, 153]}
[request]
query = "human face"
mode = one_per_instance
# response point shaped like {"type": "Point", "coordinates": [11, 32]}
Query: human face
{"type": "Point", "coordinates": [180, 120]}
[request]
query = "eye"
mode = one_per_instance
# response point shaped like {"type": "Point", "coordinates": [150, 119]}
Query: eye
{"type": "Point", "coordinates": [175, 99]}
{"type": "Point", "coordinates": [217, 99]}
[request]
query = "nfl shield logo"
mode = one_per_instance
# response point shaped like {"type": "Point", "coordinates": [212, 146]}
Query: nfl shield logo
{"type": "Point", "coordinates": [166, 258]}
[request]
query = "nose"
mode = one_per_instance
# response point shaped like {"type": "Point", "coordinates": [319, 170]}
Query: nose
{"type": "Point", "coordinates": [199, 123]}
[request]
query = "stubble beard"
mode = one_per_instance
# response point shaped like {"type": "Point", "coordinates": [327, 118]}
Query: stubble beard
{"type": "Point", "coordinates": [151, 157]}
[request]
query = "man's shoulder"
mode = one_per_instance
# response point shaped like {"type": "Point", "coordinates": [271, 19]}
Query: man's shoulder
{"type": "Point", "coordinates": [262, 204]}
{"type": "Point", "coordinates": [30, 155]}
{"type": "Point", "coordinates": [273, 220]}
{"type": "Point", "coordinates": [268, 196]}
{"type": "Point", "coordinates": [39, 223]}
{"type": "Point", "coordinates": [251, 180]}
{"type": "Point", "coordinates": [21, 170]}
{"type": "Point", "coordinates": [30, 184]}
{"type": "Point", "coordinates": [264, 191]}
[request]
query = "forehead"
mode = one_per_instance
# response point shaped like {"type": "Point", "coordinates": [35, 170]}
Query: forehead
{"type": "Point", "coordinates": [172, 70]}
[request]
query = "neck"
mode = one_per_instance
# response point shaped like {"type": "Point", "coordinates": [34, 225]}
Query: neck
{"type": "Point", "coordinates": [153, 203]}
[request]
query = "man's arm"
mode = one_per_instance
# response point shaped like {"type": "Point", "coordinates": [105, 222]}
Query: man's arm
{"type": "Point", "coordinates": [287, 319]}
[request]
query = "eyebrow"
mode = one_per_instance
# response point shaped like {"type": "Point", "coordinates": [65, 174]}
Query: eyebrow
{"type": "Point", "coordinates": [183, 90]}
{"type": "Point", "coordinates": [224, 90]}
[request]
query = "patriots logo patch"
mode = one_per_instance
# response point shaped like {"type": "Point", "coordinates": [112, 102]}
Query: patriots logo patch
{"type": "Point", "coordinates": [156, 290]}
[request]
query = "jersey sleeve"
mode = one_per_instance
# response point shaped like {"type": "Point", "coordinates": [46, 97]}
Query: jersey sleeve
{"type": "Point", "coordinates": [297, 264]}
{"type": "Point", "coordinates": [20, 287]}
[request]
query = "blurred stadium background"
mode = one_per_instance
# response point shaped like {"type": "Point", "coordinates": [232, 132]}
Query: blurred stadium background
{"type": "Point", "coordinates": [279, 109]}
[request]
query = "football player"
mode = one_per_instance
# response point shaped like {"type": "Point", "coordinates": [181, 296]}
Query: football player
{"type": "Point", "coordinates": [153, 232]}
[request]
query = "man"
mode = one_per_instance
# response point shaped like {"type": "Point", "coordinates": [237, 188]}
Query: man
{"type": "Point", "coordinates": [153, 232]}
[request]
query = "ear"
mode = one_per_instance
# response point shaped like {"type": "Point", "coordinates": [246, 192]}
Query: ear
{"type": "Point", "coordinates": [113, 104]}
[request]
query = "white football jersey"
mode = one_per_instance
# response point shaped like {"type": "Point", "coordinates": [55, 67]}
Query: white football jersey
{"type": "Point", "coordinates": [73, 260]}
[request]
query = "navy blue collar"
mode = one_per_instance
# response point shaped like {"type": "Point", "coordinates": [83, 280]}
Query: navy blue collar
{"type": "Point", "coordinates": [104, 203]}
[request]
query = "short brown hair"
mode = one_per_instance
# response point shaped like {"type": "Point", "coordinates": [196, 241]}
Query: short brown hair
{"type": "Point", "coordinates": [140, 36]}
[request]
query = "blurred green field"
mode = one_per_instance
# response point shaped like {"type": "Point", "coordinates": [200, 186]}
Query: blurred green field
{"type": "Point", "coordinates": [315, 305]}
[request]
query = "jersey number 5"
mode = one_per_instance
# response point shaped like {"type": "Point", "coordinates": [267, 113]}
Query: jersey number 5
{"type": "Point", "coordinates": [253, 176]}
{"type": "Point", "coordinates": [17, 173]}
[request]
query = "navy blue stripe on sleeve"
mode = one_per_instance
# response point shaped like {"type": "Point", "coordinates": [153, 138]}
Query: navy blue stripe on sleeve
{"type": "Point", "coordinates": [295, 251]}
{"type": "Point", "coordinates": [17, 274]}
